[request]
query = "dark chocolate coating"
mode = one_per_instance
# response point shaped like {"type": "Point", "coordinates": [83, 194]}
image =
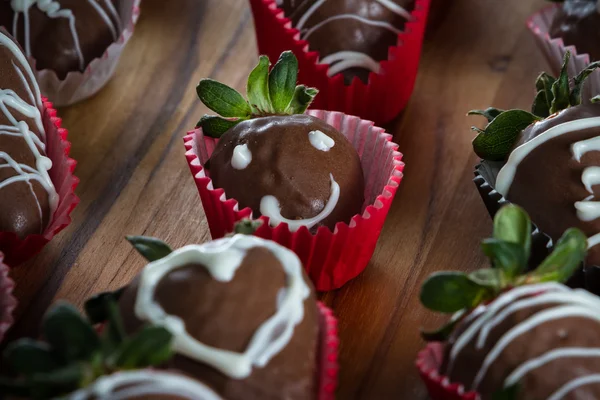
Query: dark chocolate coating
{"type": "Point", "coordinates": [286, 165]}
{"type": "Point", "coordinates": [348, 34]}
{"type": "Point", "coordinates": [541, 382]}
{"type": "Point", "coordinates": [226, 315]}
{"type": "Point", "coordinates": [547, 183]}
{"type": "Point", "coordinates": [52, 43]}
{"type": "Point", "coordinates": [578, 23]}
{"type": "Point", "coordinates": [19, 210]}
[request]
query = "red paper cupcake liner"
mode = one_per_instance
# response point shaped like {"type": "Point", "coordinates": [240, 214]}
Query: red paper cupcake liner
{"type": "Point", "coordinates": [328, 348]}
{"type": "Point", "coordinates": [387, 92]}
{"type": "Point", "coordinates": [438, 386]}
{"type": "Point", "coordinates": [554, 49]}
{"type": "Point", "coordinates": [17, 250]}
{"type": "Point", "coordinates": [77, 85]}
{"type": "Point", "coordinates": [7, 301]}
{"type": "Point", "coordinates": [330, 258]}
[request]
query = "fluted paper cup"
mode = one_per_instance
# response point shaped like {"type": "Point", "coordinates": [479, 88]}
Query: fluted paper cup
{"type": "Point", "coordinates": [78, 86]}
{"type": "Point", "coordinates": [7, 301]}
{"type": "Point", "coordinates": [330, 258]}
{"type": "Point", "coordinates": [328, 351]}
{"type": "Point", "coordinates": [385, 94]}
{"type": "Point", "coordinates": [17, 250]}
{"type": "Point", "coordinates": [438, 386]}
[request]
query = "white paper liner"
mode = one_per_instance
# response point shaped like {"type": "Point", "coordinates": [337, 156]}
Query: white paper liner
{"type": "Point", "coordinates": [77, 85]}
{"type": "Point", "coordinates": [554, 50]}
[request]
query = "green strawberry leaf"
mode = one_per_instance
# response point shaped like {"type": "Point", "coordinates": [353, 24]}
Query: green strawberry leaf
{"type": "Point", "coordinates": [540, 106]}
{"type": "Point", "coordinates": [543, 99]}
{"type": "Point", "coordinates": [303, 97]}
{"type": "Point", "coordinates": [151, 248]}
{"type": "Point", "coordinates": [492, 279]}
{"type": "Point", "coordinates": [496, 141]}
{"type": "Point", "coordinates": [544, 83]}
{"type": "Point", "coordinates": [560, 89]}
{"type": "Point", "coordinates": [512, 224]}
{"type": "Point", "coordinates": [69, 335]}
{"type": "Point", "coordinates": [246, 226]}
{"type": "Point", "coordinates": [114, 334]}
{"type": "Point", "coordinates": [449, 292]}
{"type": "Point", "coordinates": [567, 256]}
{"type": "Point", "coordinates": [28, 357]}
{"type": "Point", "coordinates": [214, 126]}
{"type": "Point", "coordinates": [257, 88]}
{"type": "Point", "coordinates": [282, 81]}
{"type": "Point", "coordinates": [578, 82]}
{"type": "Point", "coordinates": [96, 307]}
{"type": "Point", "coordinates": [57, 382]}
{"type": "Point", "coordinates": [442, 334]}
{"type": "Point", "coordinates": [149, 347]}
{"type": "Point", "coordinates": [505, 256]}
{"type": "Point", "coordinates": [222, 99]}
{"type": "Point", "coordinates": [490, 113]}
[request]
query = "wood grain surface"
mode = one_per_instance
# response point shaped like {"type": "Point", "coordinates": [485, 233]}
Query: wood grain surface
{"type": "Point", "coordinates": [135, 180]}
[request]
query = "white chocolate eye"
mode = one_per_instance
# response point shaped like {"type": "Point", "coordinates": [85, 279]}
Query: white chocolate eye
{"type": "Point", "coordinates": [320, 141]}
{"type": "Point", "coordinates": [242, 156]}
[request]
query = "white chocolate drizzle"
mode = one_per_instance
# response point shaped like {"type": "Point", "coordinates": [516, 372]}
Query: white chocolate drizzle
{"type": "Point", "coordinates": [242, 156]}
{"type": "Point", "coordinates": [270, 207]}
{"type": "Point", "coordinates": [137, 384]}
{"type": "Point", "coordinates": [586, 209]}
{"type": "Point", "coordinates": [343, 60]}
{"type": "Point", "coordinates": [563, 302]}
{"type": "Point", "coordinates": [52, 9]}
{"type": "Point", "coordinates": [507, 173]}
{"type": "Point", "coordinates": [574, 384]}
{"type": "Point", "coordinates": [320, 140]}
{"type": "Point", "coordinates": [395, 8]}
{"type": "Point", "coordinates": [9, 100]}
{"type": "Point", "coordinates": [222, 258]}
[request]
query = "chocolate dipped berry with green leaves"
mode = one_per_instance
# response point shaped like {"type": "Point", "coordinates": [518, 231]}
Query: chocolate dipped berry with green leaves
{"type": "Point", "coordinates": [241, 310]}
{"type": "Point", "coordinates": [550, 157]}
{"type": "Point", "coordinates": [75, 354]}
{"type": "Point", "coordinates": [577, 23]}
{"type": "Point", "coordinates": [516, 335]}
{"type": "Point", "coordinates": [285, 165]}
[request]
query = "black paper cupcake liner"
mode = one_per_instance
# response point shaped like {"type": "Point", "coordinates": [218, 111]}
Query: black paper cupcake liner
{"type": "Point", "coordinates": [587, 277]}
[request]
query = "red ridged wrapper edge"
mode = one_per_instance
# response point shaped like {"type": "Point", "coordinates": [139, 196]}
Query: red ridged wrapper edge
{"type": "Point", "coordinates": [328, 350]}
{"type": "Point", "coordinates": [439, 387]}
{"type": "Point", "coordinates": [555, 49]}
{"type": "Point", "coordinates": [330, 258]}
{"type": "Point", "coordinates": [17, 250]}
{"type": "Point", "coordinates": [387, 92]}
{"type": "Point", "coordinates": [7, 301]}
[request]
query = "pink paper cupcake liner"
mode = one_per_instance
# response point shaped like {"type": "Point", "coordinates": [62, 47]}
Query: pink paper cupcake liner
{"type": "Point", "coordinates": [7, 302]}
{"type": "Point", "coordinates": [78, 86]}
{"type": "Point", "coordinates": [17, 250]}
{"type": "Point", "coordinates": [438, 386]}
{"type": "Point", "coordinates": [330, 258]}
{"type": "Point", "coordinates": [328, 349]}
{"type": "Point", "coordinates": [387, 92]}
{"type": "Point", "coordinates": [554, 50]}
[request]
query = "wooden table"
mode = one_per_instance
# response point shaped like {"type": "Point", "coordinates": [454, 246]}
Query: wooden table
{"type": "Point", "coordinates": [135, 180]}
